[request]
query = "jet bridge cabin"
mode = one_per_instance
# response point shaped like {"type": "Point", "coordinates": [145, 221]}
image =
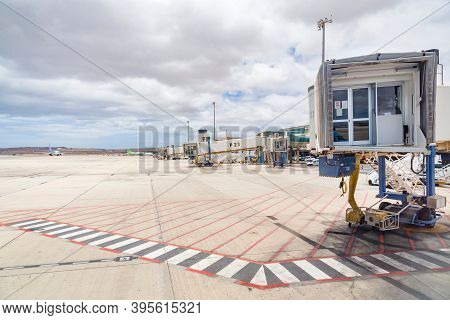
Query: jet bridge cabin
{"type": "Point", "coordinates": [379, 102]}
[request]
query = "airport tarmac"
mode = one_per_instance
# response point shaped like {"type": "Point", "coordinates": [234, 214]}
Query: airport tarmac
{"type": "Point", "coordinates": [118, 227]}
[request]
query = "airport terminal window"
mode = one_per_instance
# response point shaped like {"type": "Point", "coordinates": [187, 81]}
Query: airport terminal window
{"type": "Point", "coordinates": [389, 100]}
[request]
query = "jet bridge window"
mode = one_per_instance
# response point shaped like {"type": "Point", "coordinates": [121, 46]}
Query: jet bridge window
{"type": "Point", "coordinates": [340, 104]}
{"type": "Point", "coordinates": [389, 100]}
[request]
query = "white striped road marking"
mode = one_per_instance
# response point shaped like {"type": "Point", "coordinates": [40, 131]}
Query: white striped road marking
{"type": "Point", "coordinates": [160, 252]}
{"type": "Point", "coordinates": [371, 267]}
{"type": "Point", "coordinates": [89, 237]}
{"type": "Point", "coordinates": [231, 269]}
{"type": "Point", "coordinates": [62, 230]}
{"type": "Point", "coordinates": [25, 223]}
{"type": "Point", "coordinates": [104, 240]}
{"type": "Point", "coordinates": [260, 277]}
{"type": "Point", "coordinates": [445, 249]}
{"type": "Point", "coordinates": [75, 233]}
{"type": "Point", "coordinates": [140, 247]}
{"type": "Point", "coordinates": [282, 273]}
{"type": "Point", "coordinates": [417, 260]}
{"type": "Point", "coordinates": [313, 271]}
{"type": "Point", "coordinates": [122, 243]}
{"type": "Point", "coordinates": [205, 263]}
{"type": "Point", "coordinates": [393, 262]}
{"type": "Point", "coordinates": [436, 256]}
{"type": "Point", "coordinates": [51, 227]}
{"type": "Point", "coordinates": [341, 268]}
{"type": "Point", "coordinates": [182, 256]}
{"type": "Point", "coordinates": [40, 225]}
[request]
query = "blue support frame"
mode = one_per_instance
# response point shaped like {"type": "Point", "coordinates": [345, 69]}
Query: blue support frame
{"type": "Point", "coordinates": [261, 156]}
{"type": "Point", "coordinates": [430, 174]}
{"type": "Point", "coordinates": [381, 176]}
{"type": "Point", "coordinates": [209, 149]}
{"type": "Point", "coordinates": [430, 189]}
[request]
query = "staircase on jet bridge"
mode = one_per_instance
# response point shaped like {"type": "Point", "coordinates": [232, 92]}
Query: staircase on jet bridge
{"type": "Point", "coordinates": [399, 175]}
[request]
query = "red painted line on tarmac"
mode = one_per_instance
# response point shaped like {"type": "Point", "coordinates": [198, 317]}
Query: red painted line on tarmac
{"type": "Point", "coordinates": [348, 249]}
{"type": "Point", "coordinates": [111, 215]}
{"type": "Point", "coordinates": [252, 227]}
{"type": "Point", "coordinates": [9, 216]}
{"type": "Point", "coordinates": [381, 241]}
{"type": "Point", "coordinates": [161, 216]}
{"type": "Point", "coordinates": [209, 274]}
{"type": "Point", "coordinates": [90, 214]}
{"type": "Point", "coordinates": [88, 211]}
{"type": "Point", "coordinates": [351, 241]}
{"type": "Point", "coordinates": [24, 229]}
{"type": "Point", "coordinates": [159, 211]}
{"type": "Point", "coordinates": [105, 216]}
{"type": "Point", "coordinates": [150, 260]}
{"type": "Point", "coordinates": [113, 210]}
{"type": "Point", "coordinates": [35, 210]}
{"type": "Point", "coordinates": [441, 241]}
{"type": "Point", "coordinates": [262, 287]}
{"type": "Point", "coordinates": [284, 246]}
{"type": "Point", "coordinates": [22, 216]}
{"type": "Point", "coordinates": [233, 224]}
{"type": "Point", "coordinates": [325, 235]}
{"type": "Point", "coordinates": [76, 242]}
{"type": "Point", "coordinates": [254, 244]}
{"type": "Point", "coordinates": [184, 209]}
{"type": "Point", "coordinates": [190, 214]}
{"type": "Point", "coordinates": [110, 250]}
{"type": "Point", "coordinates": [393, 273]}
{"type": "Point", "coordinates": [258, 262]}
{"type": "Point", "coordinates": [336, 279]}
{"type": "Point", "coordinates": [411, 241]}
{"type": "Point", "coordinates": [48, 235]}
{"type": "Point", "coordinates": [188, 222]}
{"type": "Point", "coordinates": [441, 269]}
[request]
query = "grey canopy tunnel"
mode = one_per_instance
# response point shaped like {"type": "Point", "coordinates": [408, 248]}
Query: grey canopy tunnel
{"type": "Point", "coordinates": [427, 61]}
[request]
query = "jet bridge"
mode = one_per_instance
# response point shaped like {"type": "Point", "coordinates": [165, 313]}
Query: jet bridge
{"type": "Point", "coordinates": [229, 150]}
{"type": "Point", "coordinates": [379, 108]}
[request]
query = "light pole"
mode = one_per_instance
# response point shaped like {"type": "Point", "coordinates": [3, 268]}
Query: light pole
{"type": "Point", "coordinates": [321, 26]}
{"type": "Point", "coordinates": [214, 132]}
{"type": "Point", "coordinates": [188, 140]}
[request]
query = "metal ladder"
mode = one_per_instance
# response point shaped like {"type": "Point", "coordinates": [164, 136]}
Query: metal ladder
{"type": "Point", "coordinates": [399, 175]}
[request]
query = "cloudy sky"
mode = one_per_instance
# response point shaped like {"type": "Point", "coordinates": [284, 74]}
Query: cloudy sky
{"type": "Point", "coordinates": [253, 58]}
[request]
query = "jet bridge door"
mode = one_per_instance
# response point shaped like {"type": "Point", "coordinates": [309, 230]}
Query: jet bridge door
{"type": "Point", "coordinates": [389, 118]}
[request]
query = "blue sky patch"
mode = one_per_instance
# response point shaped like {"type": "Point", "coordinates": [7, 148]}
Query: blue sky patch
{"type": "Point", "coordinates": [234, 95]}
{"type": "Point", "coordinates": [296, 55]}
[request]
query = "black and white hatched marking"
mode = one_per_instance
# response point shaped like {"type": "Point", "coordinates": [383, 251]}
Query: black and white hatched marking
{"type": "Point", "coordinates": [260, 275]}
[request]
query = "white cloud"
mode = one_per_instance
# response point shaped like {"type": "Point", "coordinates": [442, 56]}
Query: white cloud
{"type": "Point", "coordinates": [184, 55]}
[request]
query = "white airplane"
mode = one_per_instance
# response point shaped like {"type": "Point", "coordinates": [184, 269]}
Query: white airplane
{"type": "Point", "coordinates": [54, 152]}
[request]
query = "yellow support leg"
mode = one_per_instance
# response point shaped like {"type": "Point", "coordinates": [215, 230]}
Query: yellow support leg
{"type": "Point", "coordinates": [354, 214]}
